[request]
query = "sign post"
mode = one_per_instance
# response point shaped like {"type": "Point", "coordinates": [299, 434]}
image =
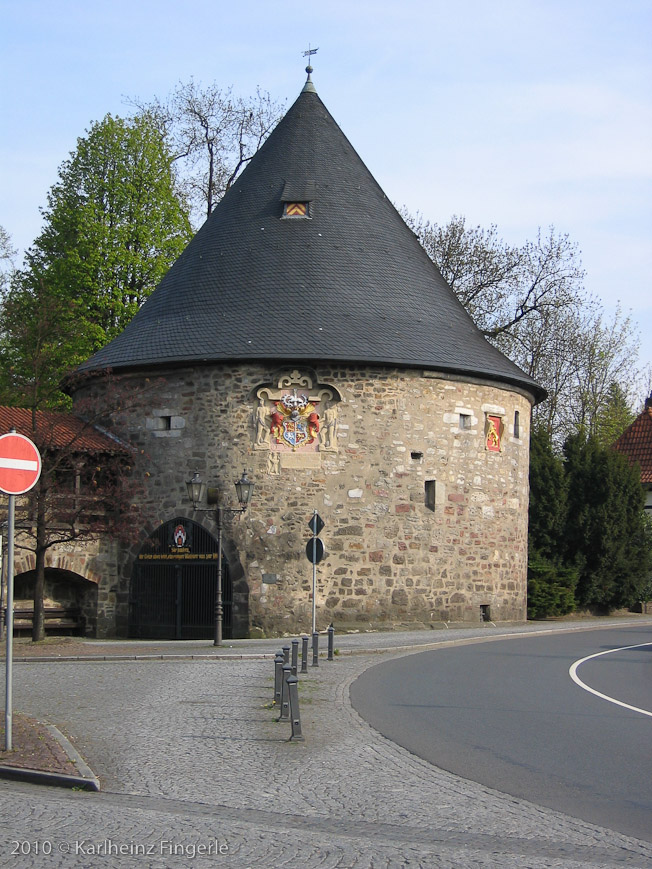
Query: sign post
{"type": "Point", "coordinates": [20, 468]}
{"type": "Point", "coordinates": [315, 553]}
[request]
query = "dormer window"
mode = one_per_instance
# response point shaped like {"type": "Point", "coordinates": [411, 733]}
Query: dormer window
{"type": "Point", "coordinates": [297, 198]}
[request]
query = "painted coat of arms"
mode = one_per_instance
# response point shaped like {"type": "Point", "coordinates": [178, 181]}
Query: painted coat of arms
{"type": "Point", "coordinates": [294, 420]}
{"type": "Point", "coordinates": [294, 415]}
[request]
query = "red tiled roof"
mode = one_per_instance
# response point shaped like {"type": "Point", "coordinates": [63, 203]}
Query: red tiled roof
{"type": "Point", "coordinates": [59, 430]}
{"type": "Point", "coordinates": [636, 443]}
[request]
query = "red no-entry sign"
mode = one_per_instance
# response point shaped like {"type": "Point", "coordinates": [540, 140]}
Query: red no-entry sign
{"type": "Point", "coordinates": [20, 464]}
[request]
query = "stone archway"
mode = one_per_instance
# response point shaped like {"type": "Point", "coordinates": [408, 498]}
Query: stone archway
{"type": "Point", "coordinates": [64, 589]}
{"type": "Point", "coordinates": [174, 583]}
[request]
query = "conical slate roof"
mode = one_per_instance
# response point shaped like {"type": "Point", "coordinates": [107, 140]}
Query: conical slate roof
{"type": "Point", "coordinates": [348, 283]}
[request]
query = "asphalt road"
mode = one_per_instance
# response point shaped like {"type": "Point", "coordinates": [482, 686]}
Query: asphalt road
{"type": "Point", "coordinates": [508, 715]}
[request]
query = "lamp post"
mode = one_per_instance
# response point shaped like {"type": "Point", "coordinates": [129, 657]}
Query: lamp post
{"type": "Point", "coordinates": [196, 491]}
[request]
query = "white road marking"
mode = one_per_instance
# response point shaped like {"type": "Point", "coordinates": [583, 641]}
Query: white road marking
{"type": "Point", "coordinates": [573, 674]}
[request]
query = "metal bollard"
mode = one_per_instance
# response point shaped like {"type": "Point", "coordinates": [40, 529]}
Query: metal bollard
{"type": "Point", "coordinates": [331, 637]}
{"type": "Point", "coordinates": [295, 656]}
{"type": "Point", "coordinates": [286, 654]}
{"type": "Point", "coordinates": [304, 654]}
{"type": "Point", "coordinates": [315, 649]}
{"type": "Point", "coordinates": [278, 677]}
{"type": "Point", "coordinates": [285, 694]}
{"type": "Point", "coordinates": [295, 715]}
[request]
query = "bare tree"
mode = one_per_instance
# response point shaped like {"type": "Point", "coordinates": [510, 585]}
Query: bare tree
{"type": "Point", "coordinates": [530, 301]}
{"type": "Point", "coordinates": [607, 353]}
{"type": "Point", "coordinates": [501, 285]}
{"type": "Point", "coordinates": [86, 491]}
{"type": "Point", "coordinates": [7, 255]}
{"type": "Point", "coordinates": [212, 134]}
{"type": "Point", "coordinates": [580, 356]}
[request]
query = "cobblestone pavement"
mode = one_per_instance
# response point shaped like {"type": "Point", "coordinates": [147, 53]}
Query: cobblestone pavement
{"type": "Point", "coordinates": [195, 770]}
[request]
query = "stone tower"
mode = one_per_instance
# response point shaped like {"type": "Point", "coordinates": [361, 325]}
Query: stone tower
{"type": "Point", "coordinates": [305, 335]}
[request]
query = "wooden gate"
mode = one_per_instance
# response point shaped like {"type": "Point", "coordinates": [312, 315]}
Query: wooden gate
{"type": "Point", "coordinates": [174, 585]}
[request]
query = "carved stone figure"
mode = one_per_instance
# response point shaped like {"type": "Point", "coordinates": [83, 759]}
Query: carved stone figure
{"type": "Point", "coordinates": [329, 429]}
{"type": "Point", "coordinates": [262, 427]}
{"type": "Point", "coordinates": [274, 463]}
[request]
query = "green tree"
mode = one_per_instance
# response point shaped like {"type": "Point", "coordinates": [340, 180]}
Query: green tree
{"type": "Point", "coordinates": [607, 536]}
{"type": "Point", "coordinates": [113, 226]}
{"type": "Point", "coordinates": [548, 497]}
{"type": "Point", "coordinates": [615, 416]}
{"type": "Point", "coordinates": [551, 582]}
{"type": "Point", "coordinates": [38, 346]}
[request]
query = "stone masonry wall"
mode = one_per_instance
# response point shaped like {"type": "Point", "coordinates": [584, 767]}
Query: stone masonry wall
{"type": "Point", "coordinates": [83, 573]}
{"type": "Point", "coordinates": [389, 558]}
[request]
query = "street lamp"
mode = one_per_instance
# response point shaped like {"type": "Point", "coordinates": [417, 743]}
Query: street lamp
{"type": "Point", "coordinates": [196, 490]}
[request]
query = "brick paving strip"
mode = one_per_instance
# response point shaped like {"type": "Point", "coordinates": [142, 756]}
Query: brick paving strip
{"type": "Point", "coordinates": [41, 754]}
{"type": "Point", "coordinates": [199, 757]}
{"type": "Point", "coordinates": [35, 747]}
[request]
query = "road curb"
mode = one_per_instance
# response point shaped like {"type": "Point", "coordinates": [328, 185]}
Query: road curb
{"type": "Point", "coordinates": [447, 639]}
{"type": "Point", "coordinates": [86, 780]}
{"type": "Point", "coordinates": [103, 659]}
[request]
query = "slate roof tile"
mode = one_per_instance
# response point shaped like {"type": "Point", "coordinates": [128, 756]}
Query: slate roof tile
{"type": "Point", "coordinates": [349, 284]}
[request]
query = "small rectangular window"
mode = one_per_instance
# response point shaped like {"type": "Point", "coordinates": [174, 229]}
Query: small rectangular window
{"type": "Point", "coordinates": [430, 494]}
{"type": "Point", "coordinates": [296, 209]}
{"type": "Point", "coordinates": [517, 424]}
{"type": "Point", "coordinates": [465, 421]}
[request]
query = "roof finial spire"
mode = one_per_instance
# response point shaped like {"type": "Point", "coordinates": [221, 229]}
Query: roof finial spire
{"type": "Point", "coordinates": [309, 86]}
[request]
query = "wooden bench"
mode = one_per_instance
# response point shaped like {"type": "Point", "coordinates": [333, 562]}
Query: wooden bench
{"type": "Point", "coordinates": [64, 619]}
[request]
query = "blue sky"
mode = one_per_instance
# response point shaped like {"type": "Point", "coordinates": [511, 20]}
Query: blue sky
{"type": "Point", "coordinates": [522, 113]}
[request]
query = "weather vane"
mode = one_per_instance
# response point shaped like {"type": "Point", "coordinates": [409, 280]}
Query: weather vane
{"type": "Point", "coordinates": [308, 54]}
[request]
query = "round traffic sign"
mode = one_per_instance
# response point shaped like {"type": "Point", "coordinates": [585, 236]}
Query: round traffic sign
{"type": "Point", "coordinates": [314, 550]}
{"type": "Point", "coordinates": [20, 464]}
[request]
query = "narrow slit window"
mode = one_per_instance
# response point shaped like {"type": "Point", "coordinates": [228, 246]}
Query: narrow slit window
{"type": "Point", "coordinates": [517, 424]}
{"type": "Point", "coordinates": [430, 486]}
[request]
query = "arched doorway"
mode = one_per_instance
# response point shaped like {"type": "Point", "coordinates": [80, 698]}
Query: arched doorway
{"type": "Point", "coordinates": [174, 585]}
